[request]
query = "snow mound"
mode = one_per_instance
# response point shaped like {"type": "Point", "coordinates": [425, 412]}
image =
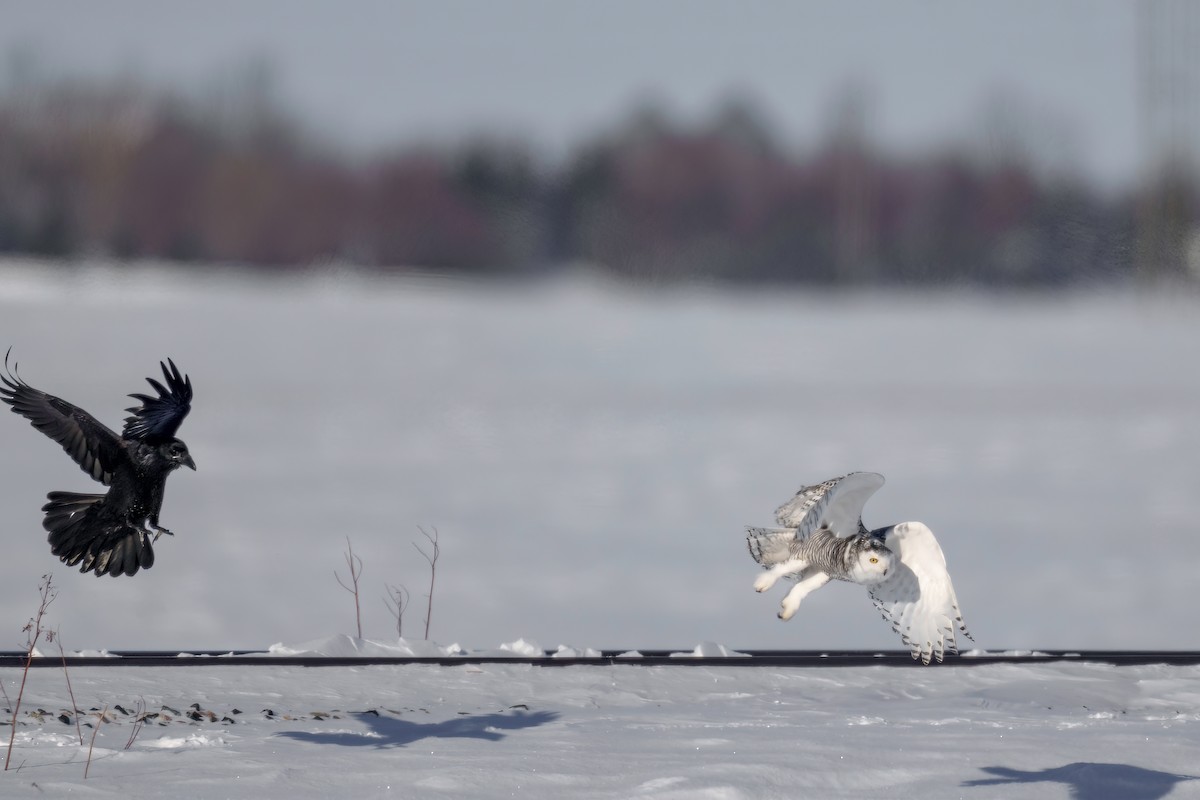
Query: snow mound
{"type": "Point", "coordinates": [177, 742]}
{"type": "Point", "coordinates": [564, 651]}
{"type": "Point", "coordinates": [711, 650]}
{"type": "Point", "coordinates": [982, 653]}
{"type": "Point", "coordinates": [523, 648]}
{"type": "Point", "coordinates": [343, 646]}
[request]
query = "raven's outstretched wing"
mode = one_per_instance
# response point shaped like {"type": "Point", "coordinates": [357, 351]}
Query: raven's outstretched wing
{"type": "Point", "coordinates": [95, 448]}
{"type": "Point", "coordinates": [158, 418]}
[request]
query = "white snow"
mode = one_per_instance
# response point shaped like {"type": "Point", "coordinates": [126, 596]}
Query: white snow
{"type": "Point", "coordinates": [348, 647]}
{"type": "Point", "coordinates": [500, 730]}
{"type": "Point", "coordinates": [523, 648]}
{"type": "Point", "coordinates": [565, 651]}
{"type": "Point", "coordinates": [589, 456]}
{"type": "Point", "coordinates": [709, 650]}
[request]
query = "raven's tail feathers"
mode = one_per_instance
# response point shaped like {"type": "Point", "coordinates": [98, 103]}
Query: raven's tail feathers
{"type": "Point", "coordinates": [79, 535]}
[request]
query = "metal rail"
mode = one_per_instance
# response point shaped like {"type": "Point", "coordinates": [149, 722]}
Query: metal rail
{"type": "Point", "coordinates": [648, 658]}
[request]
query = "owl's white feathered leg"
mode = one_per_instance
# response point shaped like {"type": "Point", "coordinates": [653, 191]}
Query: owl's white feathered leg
{"type": "Point", "coordinates": [767, 579]}
{"type": "Point", "coordinates": [802, 589]}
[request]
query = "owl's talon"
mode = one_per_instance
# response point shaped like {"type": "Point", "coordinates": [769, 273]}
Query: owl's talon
{"type": "Point", "coordinates": [789, 607]}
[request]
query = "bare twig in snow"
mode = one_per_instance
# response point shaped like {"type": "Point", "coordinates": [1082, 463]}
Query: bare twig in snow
{"type": "Point", "coordinates": [34, 631]}
{"type": "Point", "coordinates": [432, 558]}
{"type": "Point", "coordinates": [397, 602]}
{"type": "Point", "coordinates": [355, 565]}
{"type": "Point", "coordinates": [139, 719]}
{"type": "Point", "coordinates": [100, 721]}
{"type": "Point", "coordinates": [70, 691]}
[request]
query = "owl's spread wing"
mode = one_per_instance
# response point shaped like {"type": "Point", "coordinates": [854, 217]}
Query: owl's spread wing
{"type": "Point", "coordinates": [918, 598]}
{"type": "Point", "coordinates": [835, 504]}
{"type": "Point", "coordinates": [93, 446]}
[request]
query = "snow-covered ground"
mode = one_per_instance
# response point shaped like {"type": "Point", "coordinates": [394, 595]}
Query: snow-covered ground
{"type": "Point", "coordinates": [1055, 730]}
{"type": "Point", "coordinates": [589, 454]}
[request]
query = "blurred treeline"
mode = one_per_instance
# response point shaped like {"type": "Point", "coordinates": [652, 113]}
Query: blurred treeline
{"type": "Point", "coordinates": [118, 171]}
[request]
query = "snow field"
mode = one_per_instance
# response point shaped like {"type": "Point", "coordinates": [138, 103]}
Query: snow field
{"type": "Point", "coordinates": [514, 730]}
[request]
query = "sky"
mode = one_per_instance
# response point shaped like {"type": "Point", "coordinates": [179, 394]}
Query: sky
{"type": "Point", "coordinates": [375, 73]}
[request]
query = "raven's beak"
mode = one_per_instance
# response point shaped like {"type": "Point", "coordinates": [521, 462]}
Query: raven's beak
{"type": "Point", "coordinates": [189, 462]}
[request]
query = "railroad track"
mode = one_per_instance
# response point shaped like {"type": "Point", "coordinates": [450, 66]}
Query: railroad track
{"type": "Point", "coordinates": [647, 658]}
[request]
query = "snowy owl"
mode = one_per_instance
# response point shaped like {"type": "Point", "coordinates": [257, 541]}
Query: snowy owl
{"type": "Point", "coordinates": [902, 566]}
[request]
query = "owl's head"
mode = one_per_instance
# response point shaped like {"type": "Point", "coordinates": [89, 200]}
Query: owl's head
{"type": "Point", "coordinates": [873, 562]}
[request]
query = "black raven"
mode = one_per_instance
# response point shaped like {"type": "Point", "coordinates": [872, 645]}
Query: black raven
{"type": "Point", "coordinates": [109, 534]}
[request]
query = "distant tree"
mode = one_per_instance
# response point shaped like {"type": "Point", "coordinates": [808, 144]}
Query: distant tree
{"type": "Point", "coordinates": [227, 174]}
{"type": "Point", "coordinates": [416, 217]}
{"type": "Point", "coordinates": [501, 182]}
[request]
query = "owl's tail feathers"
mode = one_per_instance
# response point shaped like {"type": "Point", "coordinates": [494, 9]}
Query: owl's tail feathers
{"type": "Point", "coordinates": [769, 546]}
{"type": "Point", "coordinates": [78, 534]}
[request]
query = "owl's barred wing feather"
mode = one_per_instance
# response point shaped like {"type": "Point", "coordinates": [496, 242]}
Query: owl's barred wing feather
{"type": "Point", "coordinates": [804, 510]}
{"type": "Point", "coordinates": [835, 504]}
{"type": "Point", "coordinates": [918, 598]}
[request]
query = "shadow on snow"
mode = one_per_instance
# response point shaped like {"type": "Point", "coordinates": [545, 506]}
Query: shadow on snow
{"type": "Point", "coordinates": [387, 731]}
{"type": "Point", "coordinates": [1090, 781]}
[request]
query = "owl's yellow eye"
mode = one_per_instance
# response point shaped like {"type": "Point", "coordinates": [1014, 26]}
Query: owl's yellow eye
{"type": "Point", "coordinates": [874, 560]}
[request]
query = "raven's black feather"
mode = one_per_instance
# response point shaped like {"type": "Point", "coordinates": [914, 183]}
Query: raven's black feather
{"type": "Point", "coordinates": [81, 531]}
{"type": "Point", "coordinates": [158, 418]}
{"type": "Point", "coordinates": [113, 533]}
{"type": "Point", "coordinates": [94, 447]}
